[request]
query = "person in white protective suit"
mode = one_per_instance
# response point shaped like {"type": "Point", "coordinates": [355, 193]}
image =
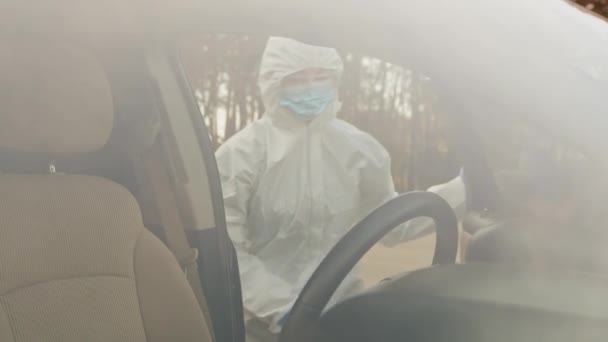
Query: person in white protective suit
{"type": "Point", "coordinates": [296, 180]}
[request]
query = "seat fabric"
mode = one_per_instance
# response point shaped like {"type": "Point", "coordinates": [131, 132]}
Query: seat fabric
{"type": "Point", "coordinates": [76, 263]}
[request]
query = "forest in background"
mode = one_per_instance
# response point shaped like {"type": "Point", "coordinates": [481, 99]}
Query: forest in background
{"type": "Point", "coordinates": [395, 105]}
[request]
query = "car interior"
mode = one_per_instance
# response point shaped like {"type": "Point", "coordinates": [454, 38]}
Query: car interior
{"type": "Point", "coordinates": [72, 209]}
{"type": "Point", "coordinates": [111, 224]}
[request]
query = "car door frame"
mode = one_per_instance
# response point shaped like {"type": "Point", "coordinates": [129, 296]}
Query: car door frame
{"type": "Point", "coordinates": [218, 267]}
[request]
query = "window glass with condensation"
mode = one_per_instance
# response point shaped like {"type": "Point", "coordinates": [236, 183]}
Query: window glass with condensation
{"type": "Point", "coordinates": [387, 133]}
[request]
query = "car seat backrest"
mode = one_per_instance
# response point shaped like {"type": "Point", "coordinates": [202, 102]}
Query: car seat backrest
{"type": "Point", "coordinates": [76, 263]}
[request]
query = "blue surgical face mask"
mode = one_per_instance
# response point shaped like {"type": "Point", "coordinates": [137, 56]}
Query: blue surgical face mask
{"type": "Point", "coordinates": [306, 102]}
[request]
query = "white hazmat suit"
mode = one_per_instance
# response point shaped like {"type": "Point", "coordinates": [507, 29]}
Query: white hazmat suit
{"type": "Point", "coordinates": [292, 188]}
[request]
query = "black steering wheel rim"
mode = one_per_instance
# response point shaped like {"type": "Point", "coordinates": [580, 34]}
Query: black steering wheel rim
{"type": "Point", "coordinates": [306, 312]}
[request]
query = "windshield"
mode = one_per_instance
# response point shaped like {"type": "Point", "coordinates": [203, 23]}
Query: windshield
{"type": "Point", "coordinates": [117, 211]}
{"type": "Point", "coordinates": [531, 166]}
{"type": "Point", "coordinates": [549, 191]}
{"type": "Point", "coordinates": [309, 140]}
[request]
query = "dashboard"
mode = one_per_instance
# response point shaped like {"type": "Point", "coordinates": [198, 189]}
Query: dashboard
{"type": "Point", "coordinates": [475, 302]}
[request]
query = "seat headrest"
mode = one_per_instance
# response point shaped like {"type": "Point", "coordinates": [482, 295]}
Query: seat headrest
{"type": "Point", "coordinates": [55, 99]}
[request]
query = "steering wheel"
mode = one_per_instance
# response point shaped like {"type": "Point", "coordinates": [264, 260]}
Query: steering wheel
{"type": "Point", "coordinates": [302, 322]}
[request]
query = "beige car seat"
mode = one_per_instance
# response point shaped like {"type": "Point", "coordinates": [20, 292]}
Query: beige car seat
{"type": "Point", "coordinates": [76, 263]}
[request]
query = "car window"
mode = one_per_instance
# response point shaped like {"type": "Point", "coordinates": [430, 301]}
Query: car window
{"type": "Point", "coordinates": [536, 172]}
{"type": "Point", "coordinates": [386, 109]}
